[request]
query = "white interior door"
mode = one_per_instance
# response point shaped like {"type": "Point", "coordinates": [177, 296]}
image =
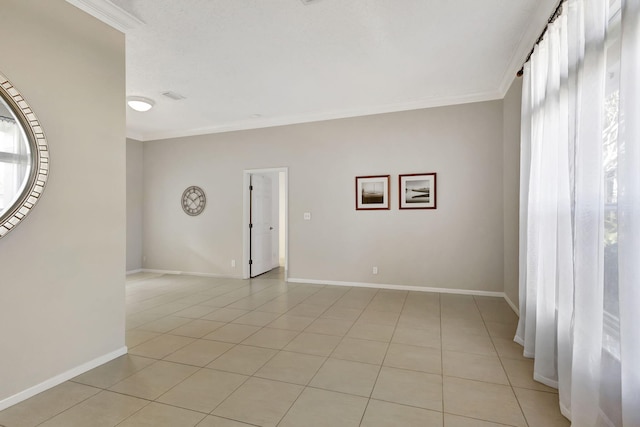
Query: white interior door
{"type": "Point", "coordinates": [261, 227]}
{"type": "Point", "coordinates": [275, 219]}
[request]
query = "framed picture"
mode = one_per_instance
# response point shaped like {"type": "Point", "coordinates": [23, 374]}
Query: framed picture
{"type": "Point", "coordinates": [372, 192]}
{"type": "Point", "coordinates": [417, 191]}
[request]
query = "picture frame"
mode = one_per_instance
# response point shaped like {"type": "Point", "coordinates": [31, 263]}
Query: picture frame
{"type": "Point", "coordinates": [372, 192]}
{"type": "Point", "coordinates": [417, 191]}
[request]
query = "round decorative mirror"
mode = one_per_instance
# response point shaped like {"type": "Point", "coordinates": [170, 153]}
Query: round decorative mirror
{"type": "Point", "coordinates": [24, 157]}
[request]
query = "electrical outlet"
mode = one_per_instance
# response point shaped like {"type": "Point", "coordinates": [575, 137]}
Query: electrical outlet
{"type": "Point", "coordinates": [233, 263]}
{"type": "Point", "coordinates": [307, 216]}
{"type": "Point", "coordinates": [144, 259]}
{"type": "Point", "coordinates": [375, 270]}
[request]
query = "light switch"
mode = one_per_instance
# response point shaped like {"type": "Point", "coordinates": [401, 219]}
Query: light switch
{"type": "Point", "coordinates": [307, 216]}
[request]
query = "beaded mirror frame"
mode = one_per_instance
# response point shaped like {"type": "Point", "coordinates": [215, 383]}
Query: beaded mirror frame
{"type": "Point", "coordinates": [39, 158]}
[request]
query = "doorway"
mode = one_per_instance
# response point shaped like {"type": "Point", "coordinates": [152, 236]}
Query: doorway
{"type": "Point", "coordinates": [265, 222]}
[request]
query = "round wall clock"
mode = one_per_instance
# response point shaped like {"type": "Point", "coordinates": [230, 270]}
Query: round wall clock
{"type": "Point", "coordinates": [193, 200]}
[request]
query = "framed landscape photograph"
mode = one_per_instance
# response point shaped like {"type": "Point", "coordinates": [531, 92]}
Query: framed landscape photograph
{"type": "Point", "coordinates": [417, 191]}
{"type": "Point", "coordinates": [372, 192]}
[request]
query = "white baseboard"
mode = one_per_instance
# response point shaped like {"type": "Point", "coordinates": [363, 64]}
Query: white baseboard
{"type": "Point", "coordinates": [399, 287]}
{"type": "Point", "coordinates": [546, 381]}
{"type": "Point", "coordinates": [565, 411]}
{"type": "Point", "coordinates": [354, 284]}
{"type": "Point", "coordinates": [59, 379]}
{"type": "Point", "coordinates": [130, 272]}
{"type": "Point", "coordinates": [190, 273]}
{"type": "Point", "coordinates": [512, 305]}
{"type": "Point", "coordinates": [153, 270]}
{"type": "Point", "coordinates": [220, 276]}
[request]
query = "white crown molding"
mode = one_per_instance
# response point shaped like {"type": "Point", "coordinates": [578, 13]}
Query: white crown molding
{"type": "Point", "coordinates": [318, 117]}
{"type": "Point", "coordinates": [59, 379]}
{"type": "Point", "coordinates": [108, 13]}
{"type": "Point", "coordinates": [528, 38]}
{"type": "Point", "coordinates": [131, 134]}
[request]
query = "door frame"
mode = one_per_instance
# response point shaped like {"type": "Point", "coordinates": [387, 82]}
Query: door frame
{"type": "Point", "coordinates": [246, 217]}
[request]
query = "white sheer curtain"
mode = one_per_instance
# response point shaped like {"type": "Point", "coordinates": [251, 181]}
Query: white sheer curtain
{"type": "Point", "coordinates": [580, 212]}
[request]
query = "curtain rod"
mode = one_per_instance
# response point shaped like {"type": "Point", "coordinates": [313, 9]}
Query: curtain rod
{"type": "Point", "coordinates": [552, 18]}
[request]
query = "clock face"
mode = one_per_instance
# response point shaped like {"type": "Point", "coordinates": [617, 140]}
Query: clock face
{"type": "Point", "coordinates": [193, 201]}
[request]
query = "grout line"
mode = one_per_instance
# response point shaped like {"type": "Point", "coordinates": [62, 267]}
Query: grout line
{"type": "Point", "coordinates": [405, 404]}
{"type": "Point", "coordinates": [327, 357]}
{"type": "Point", "coordinates": [234, 345]}
{"type": "Point", "coordinates": [441, 353]}
{"type": "Point", "coordinates": [479, 419]}
{"type": "Point", "coordinates": [230, 419]}
{"type": "Point", "coordinates": [150, 401]}
{"type": "Point", "coordinates": [139, 410]}
{"type": "Point", "coordinates": [72, 406]}
{"type": "Point", "coordinates": [275, 354]}
{"type": "Point", "coordinates": [304, 354]}
{"type": "Point", "coordinates": [234, 390]}
{"type": "Point", "coordinates": [226, 306]}
{"type": "Point", "coordinates": [269, 293]}
{"type": "Point", "coordinates": [404, 302]}
{"type": "Point", "coordinates": [381, 362]}
{"type": "Point", "coordinates": [500, 360]}
{"type": "Point", "coordinates": [247, 287]}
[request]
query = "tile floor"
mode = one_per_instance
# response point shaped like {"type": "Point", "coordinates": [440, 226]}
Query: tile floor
{"type": "Point", "coordinates": [228, 353]}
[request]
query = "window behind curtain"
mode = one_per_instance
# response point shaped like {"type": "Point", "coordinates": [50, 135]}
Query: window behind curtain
{"type": "Point", "coordinates": [610, 392]}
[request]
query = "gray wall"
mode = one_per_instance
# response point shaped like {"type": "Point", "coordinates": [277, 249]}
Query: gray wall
{"type": "Point", "coordinates": [134, 204]}
{"type": "Point", "coordinates": [459, 245]}
{"type": "Point", "coordinates": [511, 187]}
{"type": "Point", "coordinates": [61, 270]}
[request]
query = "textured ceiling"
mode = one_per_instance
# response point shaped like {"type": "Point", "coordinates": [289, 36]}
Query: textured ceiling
{"type": "Point", "coordinates": [244, 64]}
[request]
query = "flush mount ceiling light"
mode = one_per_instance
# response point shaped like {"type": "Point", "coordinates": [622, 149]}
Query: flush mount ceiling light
{"type": "Point", "coordinates": [140, 103]}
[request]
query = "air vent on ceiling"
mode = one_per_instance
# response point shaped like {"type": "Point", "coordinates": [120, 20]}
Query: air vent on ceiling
{"type": "Point", "coordinates": [173, 95]}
